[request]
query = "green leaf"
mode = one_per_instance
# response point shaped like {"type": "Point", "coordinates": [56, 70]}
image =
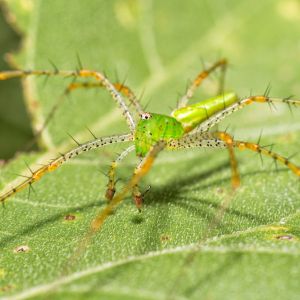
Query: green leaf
{"type": "Point", "coordinates": [175, 248]}
{"type": "Point", "coordinates": [15, 128]}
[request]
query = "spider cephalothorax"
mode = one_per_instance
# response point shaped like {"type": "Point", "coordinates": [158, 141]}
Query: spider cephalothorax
{"type": "Point", "coordinates": [152, 128]}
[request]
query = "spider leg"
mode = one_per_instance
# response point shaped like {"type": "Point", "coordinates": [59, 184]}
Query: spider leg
{"type": "Point", "coordinates": [125, 90]}
{"type": "Point", "coordinates": [122, 88]}
{"type": "Point", "coordinates": [140, 171]}
{"type": "Point", "coordinates": [99, 77]}
{"type": "Point", "coordinates": [111, 189]}
{"type": "Point", "coordinates": [137, 195]}
{"type": "Point", "coordinates": [220, 139]}
{"type": "Point", "coordinates": [217, 117]}
{"type": "Point", "coordinates": [222, 63]}
{"type": "Point", "coordinates": [208, 140]}
{"type": "Point", "coordinates": [235, 176]}
{"type": "Point", "coordinates": [192, 140]}
{"type": "Point", "coordinates": [242, 145]}
{"type": "Point", "coordinates": [221, 87]}
{"type": "Point", "coordinates": [57, 162]}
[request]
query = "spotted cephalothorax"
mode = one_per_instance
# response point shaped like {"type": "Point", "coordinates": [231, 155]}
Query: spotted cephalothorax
{"type": "Point", "coordinates": [152, 128]}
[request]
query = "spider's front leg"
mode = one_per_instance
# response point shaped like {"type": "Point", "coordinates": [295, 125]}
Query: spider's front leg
{"type": "Point", "coordinates": [137, 195]}
{"type": "Point", "coordinates": [142, 169]}
{"type": "Point", "coordinates": [99, 77]}
{"type": "Point", "coordinates": [63, 158]}
{"type": "Point", "coordinates": [120, 87]}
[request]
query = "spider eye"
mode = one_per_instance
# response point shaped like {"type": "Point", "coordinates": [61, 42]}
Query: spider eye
{"type": "Point", "coordinates": [145, 116]}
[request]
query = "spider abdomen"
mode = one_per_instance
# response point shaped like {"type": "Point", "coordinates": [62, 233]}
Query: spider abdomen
{"type": "Point", "coordinates": [191, 116]}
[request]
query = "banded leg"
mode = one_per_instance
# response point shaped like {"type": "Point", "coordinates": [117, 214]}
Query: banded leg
{"type": "Point", "coordinates": [143, 168]}
{"type": "Point", "coordinates": [235, 176]}
{"type": "Point", "coordinates": [221, 140]}
{"type": "Point", "coordinates": [241, 145]}
{"type": "Point", "coordinates": [111, 186]}
{"type": "Point", "coordinates": [125, 90]}
{"type": "Point", "coordinates": [222, 63]}
{"type": "Point", "coordinates": [57, 162]}
{"type": "Point", "coordinates": [208, 140]}
{"type": "Point", "coordinates": [100, 78]}
{"type": "Point", "coordinates": [216, 118]}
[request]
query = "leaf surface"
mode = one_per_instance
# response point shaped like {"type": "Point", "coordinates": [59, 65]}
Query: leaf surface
{"type": "Point", "coordinates": [168, 251]}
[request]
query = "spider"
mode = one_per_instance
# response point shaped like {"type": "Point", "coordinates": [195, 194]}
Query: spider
{"type": "Point", "coordinates": [188, 126]}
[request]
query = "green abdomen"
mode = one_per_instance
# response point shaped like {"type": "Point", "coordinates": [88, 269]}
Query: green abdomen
{"type": "Point", "coordinates": [157, 127]}
{"type": "Point", "coordinates": [193, 115]}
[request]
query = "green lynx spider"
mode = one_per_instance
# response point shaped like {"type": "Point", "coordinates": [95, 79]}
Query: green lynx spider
{"type": "Point", "coordinates": [188, 126]}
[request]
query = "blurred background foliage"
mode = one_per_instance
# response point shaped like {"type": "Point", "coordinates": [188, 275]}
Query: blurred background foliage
{"type": "Point", "coordinates": [157, 47]}
{"type": "Point", "coordinates": [260, 41]}
{"type": "Point", "coordinates": [15, 127]}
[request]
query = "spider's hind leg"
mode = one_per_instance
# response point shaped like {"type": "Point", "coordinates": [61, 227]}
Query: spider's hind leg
{"type": "Point", "coordinates": [222, 63]}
